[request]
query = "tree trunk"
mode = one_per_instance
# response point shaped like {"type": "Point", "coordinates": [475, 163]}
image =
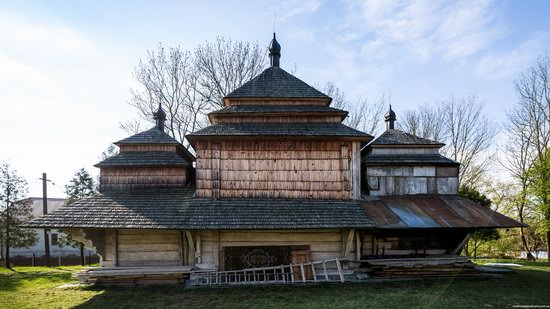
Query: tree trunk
{"type": "Point", "coordinates": [82, 262]}
{"type": "Point", "coordinates": [7, 251]}
{"type": "Point", "coordinates": [548, 244]}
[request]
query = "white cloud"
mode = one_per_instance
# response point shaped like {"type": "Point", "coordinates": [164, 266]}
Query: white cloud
{"type": "Point", "coordinates": [299, 8]}
{"type": "Point", "coordinates": [496, 66]}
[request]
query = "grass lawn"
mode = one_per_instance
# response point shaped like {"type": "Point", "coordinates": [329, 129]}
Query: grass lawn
{"type": "Point", "coordinates": [29, 287]}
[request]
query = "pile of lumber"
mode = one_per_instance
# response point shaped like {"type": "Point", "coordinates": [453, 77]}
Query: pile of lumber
{"type": "Point", "coordinates": [454, 266]}
{"type": "Point", "coordinates": [134, 275]}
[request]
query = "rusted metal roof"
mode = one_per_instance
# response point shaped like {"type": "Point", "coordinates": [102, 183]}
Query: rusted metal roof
{"type": "Point", "coordinates": [433, 211]}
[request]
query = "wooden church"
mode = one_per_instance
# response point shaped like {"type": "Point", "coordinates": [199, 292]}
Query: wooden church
{"type": "Point", "coordinates": [276, 179]}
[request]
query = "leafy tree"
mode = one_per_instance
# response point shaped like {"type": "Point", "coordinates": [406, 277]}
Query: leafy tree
{"type": "Point", "coordinates": [540, 191]}
{"type": "Point", "coordinates": [82, 185]}
{"type": "Point", "coordinates": [480, 236]}
{"type": "Point", "coordinates": [528, 133]}
{"type": "Point", "coordinates": [14, 211]}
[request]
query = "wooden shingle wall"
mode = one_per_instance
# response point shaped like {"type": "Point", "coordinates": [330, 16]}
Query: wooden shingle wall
{"type": "Point", "coordinates": [129, 178]}
{"type": "Point", "coordinates": [277, 169]}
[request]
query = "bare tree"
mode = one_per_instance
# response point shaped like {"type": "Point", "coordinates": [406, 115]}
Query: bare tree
{"type": "Point", "coordinates": [189, 85]}
{"type": "Point", "coordinates": [363, 115]}
{"type": "Point", "coordinates": [460, 123]}
{"type": "Point", "coordinates": [528, 132]}
{"type": "Point", "coordinates": [224, 65]}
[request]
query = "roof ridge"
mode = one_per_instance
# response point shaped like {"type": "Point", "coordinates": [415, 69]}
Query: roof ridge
{"type": "Point", "coordinates": [399, 137]}
{"type": "Point", "coordinates": [275, 82]}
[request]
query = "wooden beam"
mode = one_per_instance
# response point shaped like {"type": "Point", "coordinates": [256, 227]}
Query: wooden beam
{"type": "Point", "coordinates": [115, 247]}
{"type": "Point", "coordinates": [348, 241]}
{"type": "Point", "coordinates": [191, 250]}
{"type": "Point", "coordinates": [198, 254]}
{"type": "Point", "coordinates": [183, 256]}
{"type": "Point", "coordinates": [216, 182]}
{"type": "Point", "coordinates": [358, 246]}
{"type": "Point", "coordinates": [459, 247]}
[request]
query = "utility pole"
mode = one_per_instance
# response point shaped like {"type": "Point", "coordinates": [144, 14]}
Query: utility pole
{"type": "Point", "coordinates": [45, 212]}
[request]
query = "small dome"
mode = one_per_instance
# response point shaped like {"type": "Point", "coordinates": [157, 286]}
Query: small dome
{"type": "Point", "coordinates": [159, 114]}
{"type": "Point", "coordinates": [390, 115]}
{"type": "Point", "coordinates": [274, 46]}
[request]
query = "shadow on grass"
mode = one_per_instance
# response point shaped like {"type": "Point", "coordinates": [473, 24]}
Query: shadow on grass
{"type": "Point", "coordinates": [12, 280]}
{"type": "Point", "coordinates": [523, 286]}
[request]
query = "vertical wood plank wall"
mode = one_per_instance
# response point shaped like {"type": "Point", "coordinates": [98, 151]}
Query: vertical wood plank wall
{"type": "Point", "coordinates": [123, 179]}
{"type": "Point", "coordinates": [278, 169]}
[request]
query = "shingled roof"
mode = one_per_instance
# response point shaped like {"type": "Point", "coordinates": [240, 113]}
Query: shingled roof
{"type": "Point", "coordinates": [280, 129]}
{"type": "Point", "coordinates": [397, 137]}
{"type": "Point", "coordinates": [275, 82]}
{"type": "Point", "coordinates": [276, 214]}
{"type": "Point", "coordinates": [435, 159]}
{"type": "Point", "coordinates": [246, 109]}
{"type": "Point", "coordinates": [149, 158]}
{"type": "Point", "coordinates": [151, 136]}
{"type": "Point", "coordinates": [156, 209]}
{"type": "Point", "coordinates": [177, 209]}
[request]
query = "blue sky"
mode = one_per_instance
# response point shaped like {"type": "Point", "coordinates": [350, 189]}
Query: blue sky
{"type": "Point", "coordinates": [66, 66]}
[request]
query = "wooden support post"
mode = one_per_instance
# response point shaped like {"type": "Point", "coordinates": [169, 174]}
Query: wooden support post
{"type": "Point", "coordinates": [217, 250]}
{"type": "Point", "coordinates": [115, 247]}
{"type": "Point", "coordinates": [458, 248]}
{"type": "Point", "coordinates": [198, 253]}
{"type": "Point", "coordinates": [348, 241]}
{"type": "Point", "coordinates": [191, 250]}
{"type": "Point", "coordinates": [292, 273]}
{"type": "Point", "coordinates": [182, 249]}
{"type": "Point", "coordinates": [358, 246]}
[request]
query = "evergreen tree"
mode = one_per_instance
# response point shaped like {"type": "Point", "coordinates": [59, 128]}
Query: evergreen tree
{"type": "Point", "coordinates": [82, 185]}
{"type": "Point", "coordinates": [14, 211]}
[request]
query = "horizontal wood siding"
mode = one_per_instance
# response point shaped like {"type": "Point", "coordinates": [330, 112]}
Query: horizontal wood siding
{"type": "Point", "coordinates": [128, 178]}
{"type": "Point", "coordinates": [323, 244]}
{"type": "Point", "coordinates": [149, 248]}
{"type": "Point", "coordinates": [278, 169]}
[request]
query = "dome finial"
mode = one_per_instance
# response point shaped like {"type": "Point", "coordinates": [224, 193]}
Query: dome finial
{"type": "Point", "coordinates": [390, 119]}
{"type": "Point", "coordinates": [160, 118]}
{"type": "Point", "coordinates": [274, 51]}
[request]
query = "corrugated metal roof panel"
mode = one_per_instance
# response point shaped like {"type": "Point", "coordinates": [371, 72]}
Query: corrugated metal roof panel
{"type": "Point", "coordinates": [433, 211]}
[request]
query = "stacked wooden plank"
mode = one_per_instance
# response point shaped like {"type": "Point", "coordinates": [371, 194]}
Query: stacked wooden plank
{"type": "Point", "coordinates": [447, 266]}
{"type": "Point", "coordinates": [134, 275]}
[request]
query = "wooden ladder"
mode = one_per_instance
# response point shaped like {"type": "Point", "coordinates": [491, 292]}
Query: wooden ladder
{"type": "Point", "coordinates": [310, 272]}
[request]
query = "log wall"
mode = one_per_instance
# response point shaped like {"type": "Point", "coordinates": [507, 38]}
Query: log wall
{"type": "Point", "coordinates": [130, 178]}
{"type": "Point", "coordinates": [142, 248]}
{"type": "Point", "coordinates": [277, 169]}
{"type": "Point", "coordinates": [323, 244]}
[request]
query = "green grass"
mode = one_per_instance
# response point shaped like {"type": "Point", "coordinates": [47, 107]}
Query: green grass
{"type": "Point", "coordinates": [28, 287]}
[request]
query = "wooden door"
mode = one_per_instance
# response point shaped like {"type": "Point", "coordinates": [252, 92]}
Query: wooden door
{"type": "Point", "coordinates": [301, 255]}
